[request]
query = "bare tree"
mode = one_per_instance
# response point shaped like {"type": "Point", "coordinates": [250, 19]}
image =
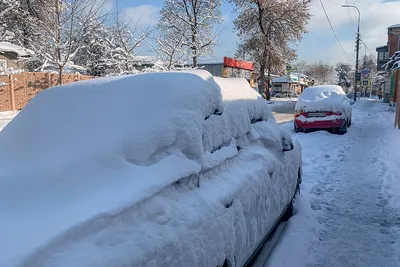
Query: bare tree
{"type": "Point", "coordinates": [194, 20]}
{"type": "Point", "coordinates": [299, 66]}
{"type": "Point", "coordinates": [60, 24]}
{"type": "Point", "coordinates": [170, 49]}
{"type": "Point", "coordinates": [126, 37]}
{"type": "Point", "coordinates": [368, 62]}
{"type": "Point", "coordinates": [321, 72]}
{"type": "Point", "coordinates": [267, 27]}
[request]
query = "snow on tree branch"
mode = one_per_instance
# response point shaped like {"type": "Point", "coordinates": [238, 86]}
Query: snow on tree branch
{"type": "Point", "coordinates": [194, 20]}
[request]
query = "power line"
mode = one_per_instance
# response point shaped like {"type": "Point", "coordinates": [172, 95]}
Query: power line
{"type": "Point", "coordinates": [334, 33]}
{"type": "Point", "coordinates": [351, 20]}
{"type": "Point", "coordinates": [362, 41]}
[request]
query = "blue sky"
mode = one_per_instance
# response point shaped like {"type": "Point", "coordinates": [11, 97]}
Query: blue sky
{"type": "Point", "coordinates": [319, 43]}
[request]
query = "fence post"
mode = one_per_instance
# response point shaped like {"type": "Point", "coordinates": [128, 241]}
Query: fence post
{"type": "Point", "coordinates": [12, 96]}
{"type": "Point", "coordinates": [48, 80]}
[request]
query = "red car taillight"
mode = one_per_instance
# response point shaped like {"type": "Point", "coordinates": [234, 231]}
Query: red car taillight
{"type": "Point", "coordinates": [299, 113]}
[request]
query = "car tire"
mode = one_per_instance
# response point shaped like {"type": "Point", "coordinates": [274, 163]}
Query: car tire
{"type": "Point", "coordinates": [349, 124]}
{"type": "Point", "coordinates": [288, 213]}
{"type": "Point", "coordinates": [296, 129]}
{"type": "Point", "coordinates": [342, 130]}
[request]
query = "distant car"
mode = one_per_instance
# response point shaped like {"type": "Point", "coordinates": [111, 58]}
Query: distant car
{"type": "Point", "coordinates": [139, 170]}
{"type": "Point", "coordinates": [274, 93]}
{"type": "Point", "coordinates": [323, 107]}
{"type": "Point", "coordinates": [285, 94]}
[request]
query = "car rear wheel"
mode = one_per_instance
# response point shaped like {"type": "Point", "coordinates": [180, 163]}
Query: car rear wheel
{"type": "Point", "coordinates": [342, 130]}
{"type": "Point", "coordinates": [296, 129]}
{"type": "Point", "coordinates": [349, 124]}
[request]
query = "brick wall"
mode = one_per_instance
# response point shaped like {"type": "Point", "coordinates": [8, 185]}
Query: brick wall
{"type": "Point", "coordinates": [21, 88]}
{"type": "Point", "coordinates": [393, 40]}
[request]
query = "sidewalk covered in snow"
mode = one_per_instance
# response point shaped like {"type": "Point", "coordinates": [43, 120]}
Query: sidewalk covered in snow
{"type": "Point", "coordinates": [349, 210]}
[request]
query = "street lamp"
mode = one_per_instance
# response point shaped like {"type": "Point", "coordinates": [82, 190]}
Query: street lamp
{"type": "Point", "coordinates": [358, 45]}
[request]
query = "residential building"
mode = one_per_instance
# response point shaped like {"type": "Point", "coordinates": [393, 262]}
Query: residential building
{"type": "Point", "coordinates": [295, 83]}
{"type": "Point", "coordinates": [13, 57]}
{"type": "Point", "coordinates": [382, 58]}
{"type": "Point", "coordinates": [231, 68]}
{"type": "Point", "coordinates": [393, 39]}
{"type": "Point", "coordinates": [385, 61]}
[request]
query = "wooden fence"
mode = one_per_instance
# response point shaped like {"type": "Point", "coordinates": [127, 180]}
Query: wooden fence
{"type": "Point", "coordinates": [16, 90]}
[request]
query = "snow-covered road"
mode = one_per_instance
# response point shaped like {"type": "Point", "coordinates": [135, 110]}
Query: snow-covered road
{"type": "Point", "coordinates": [349, 212]}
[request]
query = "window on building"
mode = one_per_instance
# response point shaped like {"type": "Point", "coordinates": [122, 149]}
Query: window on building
{"type": "Point", "coordinates": [386, 55]}
{"type": "Point", "coordinates": [3, 64]}
{"type": "Point", "coordinates": [381, 55]}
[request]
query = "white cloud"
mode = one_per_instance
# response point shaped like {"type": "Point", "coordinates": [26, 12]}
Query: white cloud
{"type": "Point", "coordinates": [376, 17]}
{"type": "Point", "coordinates": [144, 15]}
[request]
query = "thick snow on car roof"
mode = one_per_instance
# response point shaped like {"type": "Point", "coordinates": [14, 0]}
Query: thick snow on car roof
{"type": "Point", "coordinates": [83, 148]}
{"type": "Point", "coordinates": [322, 97]}
{"type": "Point", "coordinates": [83, 154]}
{"type": "Point", "coordinates": [321, 92]}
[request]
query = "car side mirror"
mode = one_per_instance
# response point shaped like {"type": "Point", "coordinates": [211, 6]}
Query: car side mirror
{"type": "Point", "coordinates": [287, 145]}
{"type": "Point", "coordinates": [352, 102]}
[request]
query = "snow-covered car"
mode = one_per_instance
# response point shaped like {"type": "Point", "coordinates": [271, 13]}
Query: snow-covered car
{"type": "Point", "coordinates": [157, 169]}
{"type": "Point", "coordinates": [285, 94]}
{"type": "Point", "coordinates": [323, 107]}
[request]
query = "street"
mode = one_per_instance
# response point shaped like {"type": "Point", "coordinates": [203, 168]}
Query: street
{"type": "Point", "coordinates": [348, 211]}
{"type": "Point", "coordinates": [284, 112]}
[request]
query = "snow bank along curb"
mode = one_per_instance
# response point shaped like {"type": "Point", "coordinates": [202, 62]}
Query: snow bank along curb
{"type": "Point", "coordinates": [114, 176]}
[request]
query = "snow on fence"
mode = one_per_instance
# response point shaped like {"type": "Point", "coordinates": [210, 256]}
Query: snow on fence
{"type": "Point", "coordinates": [16, 90]}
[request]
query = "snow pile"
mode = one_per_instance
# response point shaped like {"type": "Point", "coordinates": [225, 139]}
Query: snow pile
{"type": "Point", "coordinates": [114, 176]}
{"type": "Point", "coordinates": [99, 147]}
{"type": "Point", "coordinates": [6, 117]}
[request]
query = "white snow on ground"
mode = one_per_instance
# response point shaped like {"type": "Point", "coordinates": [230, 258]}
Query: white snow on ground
{"type": "Point", "coordinates": [281, 101]}
{"type": "Point", "coordinates": [349, 209]}
{"type": "Point", "coordinates": [109, 182]}
{"type": "Point", "coordinates": [6, 117]}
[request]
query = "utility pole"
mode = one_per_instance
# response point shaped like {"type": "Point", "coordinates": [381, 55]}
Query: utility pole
{"type": "Point", "coordinates": [357, 49]}
{"type": "Point", "coordinates": [356, 75]}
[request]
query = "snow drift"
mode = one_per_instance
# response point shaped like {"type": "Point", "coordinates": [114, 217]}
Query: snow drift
{"type": "Point", "coordinates": [137, 169]}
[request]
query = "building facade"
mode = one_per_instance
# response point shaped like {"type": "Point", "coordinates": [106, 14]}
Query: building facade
{"type": "Point", "coordinates": [393, 39]}
{"type": "Point", "coordinates": [382, 58]}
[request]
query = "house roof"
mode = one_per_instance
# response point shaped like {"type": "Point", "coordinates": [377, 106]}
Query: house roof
{"type": "Point", "coordinates": [12, 48]}
{"type": "Point", "coordinates": [394, 26]}
{"type": "Point", "coordinates": [284, 79]}
{"type": "Point", "coordinates": [381, 47]}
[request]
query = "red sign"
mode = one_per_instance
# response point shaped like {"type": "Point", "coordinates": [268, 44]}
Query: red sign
{"type": "Point", "coordinates": [238, 64]}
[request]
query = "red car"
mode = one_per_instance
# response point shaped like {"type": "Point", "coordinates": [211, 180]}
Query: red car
{"type": "Point", "coordinates": [323, 107]}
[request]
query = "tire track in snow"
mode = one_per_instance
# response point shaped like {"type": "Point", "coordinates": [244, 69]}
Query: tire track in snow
{"type": "Point", "coordinates": [359, 226]}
